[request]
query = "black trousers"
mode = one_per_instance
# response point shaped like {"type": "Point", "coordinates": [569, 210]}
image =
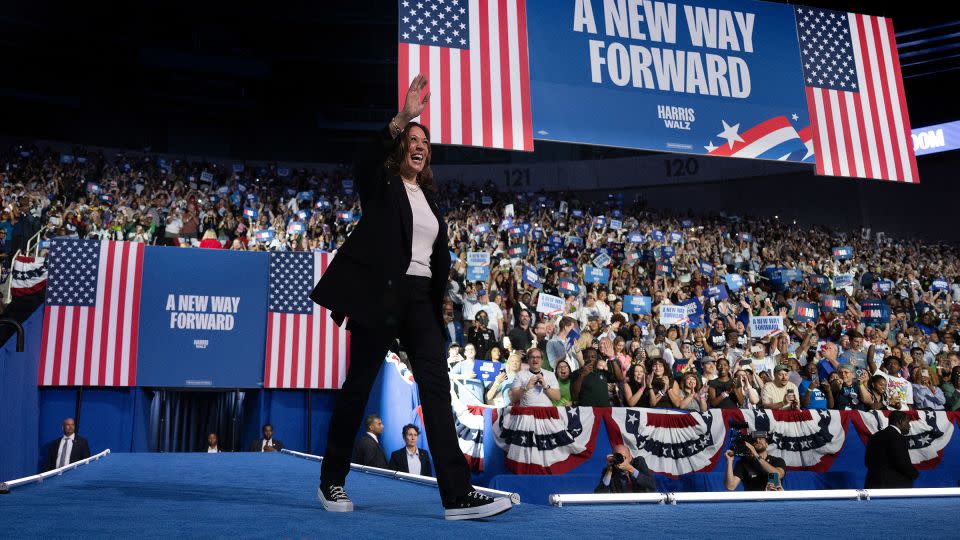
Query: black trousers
{"type": "Point", "coordinates": [421, 336]}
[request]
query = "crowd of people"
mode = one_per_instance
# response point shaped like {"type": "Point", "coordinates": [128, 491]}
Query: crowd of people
{"type": "Point", "coordinates": [871, 325]}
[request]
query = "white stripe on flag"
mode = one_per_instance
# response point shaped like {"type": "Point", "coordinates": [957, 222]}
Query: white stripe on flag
{"type": "Point", "coordinates": [289, 321]}
{"type": "Point", "coordinates": [51, 340]}
{"type": "Point", "coordinates": [436, 96]}
{"type": "Point", "coordinates": [303, 355]}
{"type": "Point", "coordinates": [891, 79]}
{"type": "Point", "coordinates": [838, 132]}
{"type": "Point", "coordinates": [476, 77]}
{"type": "Point", "coordinates": [97, 352]}
{"type": "Point", "coordinates": [81, 340]}
{"type": "Point", "coordinates": [315, 344]}
{"type": "Point", "coordinates": [877, 97]}
{"type": "Point", "coordinates": [413, 63]}
{"type": "Point", "coordinates": [128, 323]}
{"type": "Point", "coordinates": [496, 97]}
{"type": "Point", "coordinates": [866, 102]}
{"type": "Point", "coordinates": [826, 159]}
{"type": "Point", "coordinates": [66, 354]}
{"type": "Point", "coordinates": [456, 111]}
{"type": "Point", "coordinates": [854, 133]}
{"type": "Point", "coordinates": [113, 280]}
{"type": "Point", "coordinates": [516, 97]}
{"type": "Point", "coordinates": [274, 348]}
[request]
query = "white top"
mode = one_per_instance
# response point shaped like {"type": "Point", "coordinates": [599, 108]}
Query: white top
{"type": "Point", "coordinates": [63, 454]}
{"type": "Point", "coordinates": [413, 461]}
{"type": "Point", "coordinates": [264, 443]}
{"type": "Point", "coordinates": [425, 230]}
{"type": "Point", "coordinates": [213, 450]}
{"type": "Point", "coordinates": [535, 396]}
{"type": "Point", "coordinates": [370, 433]}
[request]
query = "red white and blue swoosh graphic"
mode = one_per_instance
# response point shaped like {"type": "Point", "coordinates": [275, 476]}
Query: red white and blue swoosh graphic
{"type": "Point", "coordinates": [774, 139]}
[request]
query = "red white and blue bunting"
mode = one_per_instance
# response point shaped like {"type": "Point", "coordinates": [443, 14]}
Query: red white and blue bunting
{"type": "Point", "coordinates": [930, 431]}
{"type": "Point", "coordinates": [545, 440]}
{"type": "Point", "coordinates": [807, 439]}
{"type": "Point", "coordinates": [671, 442]}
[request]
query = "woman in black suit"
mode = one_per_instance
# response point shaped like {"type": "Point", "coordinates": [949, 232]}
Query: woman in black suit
{"type": "Point", "coordinates": [388, 280]}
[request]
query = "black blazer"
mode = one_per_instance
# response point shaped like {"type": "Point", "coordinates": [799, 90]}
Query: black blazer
{"type": "Point", "coordinates": [398, 462]}
{"type": "Point", "coordinates": [81, 450]}
{"type": "Point", "coordinates": [256, 445]}
{"type": "Point", "coordinates": [363, 281]}
{"type": "Point", "coordinates": [369, 452]}
{"type": "Point", "coordinates": [621, 482]}
{"type": "Point", "coordinates": [888, 461]}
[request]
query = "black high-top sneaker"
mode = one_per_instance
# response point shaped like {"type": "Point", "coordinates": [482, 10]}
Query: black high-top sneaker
{"type": "Point", "coordinates": [334, 499]}
{"type": "Point", "coordinates": [475, 505]}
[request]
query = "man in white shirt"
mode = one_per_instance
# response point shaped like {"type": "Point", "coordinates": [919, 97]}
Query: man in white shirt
{"type": "Point", "coordinates": [212, 444]}
{"type": "Point", "coordinates": [411, 459]}
{"type": "Point", "coordinates": [535, 386]}
{"type": "Point", "coordinates": [780, 393]}
{"type": "Point", "coordinates": [67, 449]}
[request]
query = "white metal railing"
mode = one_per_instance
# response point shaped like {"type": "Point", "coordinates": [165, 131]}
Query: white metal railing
{"type": "Point", "coordinates": [415, 478]}
{"type": "Point", "coordinates": [6, 486]}
{"type": "Point", "coordinates": [560, 499]}
{"type": "Point", "coordinates": [33, 246]}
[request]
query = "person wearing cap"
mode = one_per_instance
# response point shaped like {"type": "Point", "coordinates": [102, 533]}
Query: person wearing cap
{"type": "Point", "coordinates": [780, 393]}
{"type": "Point", "coordinates": [846, 389]}
{"type": "Point", "coordinates": [754, 468]}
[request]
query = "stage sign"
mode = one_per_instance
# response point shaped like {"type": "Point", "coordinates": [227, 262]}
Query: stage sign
{"type": "Point", "coordinates": [202, 318]}
{"type": "Point", "coordinates": [678, 77]}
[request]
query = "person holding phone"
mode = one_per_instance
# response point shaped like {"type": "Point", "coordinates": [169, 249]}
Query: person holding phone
{"type": "Point", "coordinates": [389, 279]}
{"type": "Point", "coordinates": [780, 393]}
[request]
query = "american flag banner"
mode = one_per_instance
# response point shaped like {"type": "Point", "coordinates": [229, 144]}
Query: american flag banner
{"type": "Point", "coordinates": [29, 275]}
{"type": "Point", "coordinates": [305, 348]}
{"type": "Point", "coordinates": [854, 88]}
{"type": "Point", "coordinates": [474, 55]}
{"type": "Point", "coordinates": [92, 313]}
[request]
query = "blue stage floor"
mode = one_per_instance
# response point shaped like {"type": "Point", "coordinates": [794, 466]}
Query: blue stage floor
{"type": "Point", "coordinates": [273, 496]}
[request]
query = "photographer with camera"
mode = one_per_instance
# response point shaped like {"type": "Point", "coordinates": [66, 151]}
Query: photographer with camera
{"type": "Point", "coordinates": [625, 475]}
{"type": "Point", "coordinates": [755, 468]}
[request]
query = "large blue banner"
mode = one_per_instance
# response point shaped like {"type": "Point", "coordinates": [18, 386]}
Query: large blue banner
{"type": "Point", "coordinates": [680, 77]}
{"type": "Point", "coordinates": [202, 318]}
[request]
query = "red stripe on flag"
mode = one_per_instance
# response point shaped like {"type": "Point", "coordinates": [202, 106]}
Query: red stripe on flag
{"type": "Point", "coordinates": [403, 73]}
{"type": "Point", "coordinates": [445, 108]}
{"type": "Point", "coordinates": [308, 354]}
{"type": "Point", "coordinates": [347, 355]}
{"type": "Point", "coordinates": [280, 350]}
{"type": "Point", "coordinates": [58, 350]}
{"type": "Point", "coordinates": [135, 316]}
{"type": "Point", "coordinates": [888, 123]}
{"type": "Point", "coordinates": [831, 135]}
{"type": "Point", "coordinates": [902, 98]}
{"type": "Point", "coordinates": [815, 127]}
{"type": "Point", "coordinates": [103, 310]}
{"type": "Point", "coordinates": [525, 113]}
{"type": "Point", "coordinates": [852, 157]}
{"type": "Point", "coordinates": [44, 344]}
{"type": "Point", "coordinates": [425, 70]}
{"type": "Point", "coordinates": [297, 354]}
{"type": "Point", "coordinates": [267, 381]}
{"type": "Point", "coordinates": [334, 358]}
{"type": "Point", "coordinates": [868, 93]}
{"type": "Point", "coordinates": [88, 353]}
{"type": "Point", "coordinates": [862, 130]}
{"type": "Point", "coordinates": [507, 103]}
{"type": "Point", "coordinates": [466, 115]}
{"type": "Point", "coordinates": [74, 340]}
{"type": "Point", "coordinates": [486, 113]}
{"type": "Point", "coordinates": [121, 310]}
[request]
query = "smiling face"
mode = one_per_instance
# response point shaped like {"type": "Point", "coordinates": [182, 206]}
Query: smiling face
{"type": "Point", "coordinates": [417, 154]}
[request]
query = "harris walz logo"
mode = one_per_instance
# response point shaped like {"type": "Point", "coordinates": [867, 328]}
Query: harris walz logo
{"type": "Point", "coordinates": [676, 117]}
{"type": "Point", "coordinates": [201, 343]}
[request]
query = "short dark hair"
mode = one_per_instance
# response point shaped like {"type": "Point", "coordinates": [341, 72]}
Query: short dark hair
{"type": "Point", "coordinates": [265, 426]}
{"type": "Point", "coordinates": [410, 426]}
{"type": "Point", "coordinates": [370, 419]}
{"type": "Point", "coordinates": [898, 416]}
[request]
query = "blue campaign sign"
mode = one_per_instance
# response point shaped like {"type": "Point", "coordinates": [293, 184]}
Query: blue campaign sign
{"type": "Point", "coordinates": [568, 286]}
{"type": "Point", "coordinates": [478, 273]}
{"type": "Point", "coordinates": [576, 212]}
{"type": "Point", "coordinates": [842, 280]}
{"type": "Point", "coordinates": [637, 305]}
{"type": "Point", "coordinates": [664, 268]}
{"type": "Point", "coordinates": [486, 370]}
{"type": "Point", "coordinates": [676, 237]}
{"type": "Point", "coordinates": [694, 312]}
{"type": "Point", "coordinates": [667, 252]}
{"type": "Point", "coordinates": [939, 284]}
{"type": "Point", "coordinates": [203, 318]}
{"type": "Point", "coordinates": [883, 286]}
{"type": "Point", "coordinates": [592, 274]}
{"type": "Point", "coordinates": [746, 237]}
{"type": "Point", "coordinates": [806, 312]}
{"type": "Point", "coordinates": [734, 282]}
{"type": "Point", "coordinates": [531, 276]}
{"type": "Point", "coordinates": [820, 282]}
{"type": "Point", "coordinates": [636, 237]}
{"type": "Point", "coordinates": [518, 251]}
{"type": "Point", "coordinates": [616, 224]}
{"type": "Point", "coordinates": [706, 268]}
{"type": "Point", "coordinates": [875, 312]}
{"type": "Point", "coordinates": [482, 228]}
{"type": "Point", "coordinates": [601, 260]}
{"type": "Point", "coordinates": [669, 77]}
{"type": "Point", "coordinates": [657, 236]}
{"type": "Point", "coordinates": [837, 304]}
{"type": "Point", "coordinates": [717, 292]}
{"type": "Point", "coordinates": [842, 253]}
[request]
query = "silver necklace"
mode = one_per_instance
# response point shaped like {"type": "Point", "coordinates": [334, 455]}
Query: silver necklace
{"type": "Point", "coordinates": [412, 187]}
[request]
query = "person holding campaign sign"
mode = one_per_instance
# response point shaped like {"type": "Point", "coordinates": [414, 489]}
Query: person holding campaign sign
{"type": "Point", "coordinates": [389, 278]}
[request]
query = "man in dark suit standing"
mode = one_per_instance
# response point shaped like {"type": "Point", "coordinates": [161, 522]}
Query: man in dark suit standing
{"type": "Point", "coordinates": [67, 449]}
{"type": "Point", "coordinates": [411, 459]}
{"type": "Point", "coordinates": [887, 458]}
{"type": "Point", "coordinates": [267, 443]}
{"type": "Point", "coordinates": [368, 450]}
